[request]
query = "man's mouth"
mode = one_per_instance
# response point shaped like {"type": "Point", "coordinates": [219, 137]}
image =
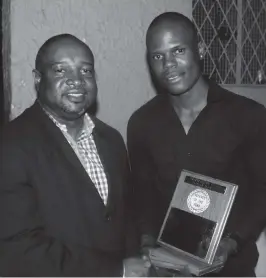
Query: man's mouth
{"type": "Point", "coordinates": [173, 77]}
{"type": "Point", "coordinates": [76, 97]}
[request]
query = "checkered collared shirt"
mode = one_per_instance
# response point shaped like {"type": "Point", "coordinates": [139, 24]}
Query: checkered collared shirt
{"type": "Point", "coordinates": [87, 153]}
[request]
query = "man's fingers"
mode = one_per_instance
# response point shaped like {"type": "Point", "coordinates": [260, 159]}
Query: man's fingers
{"type": "Point", "coordinates": [185, 271]}
{"type": "Point", "coordinates": [147, 262]}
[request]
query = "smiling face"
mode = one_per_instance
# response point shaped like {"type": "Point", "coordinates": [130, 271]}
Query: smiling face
{"type": "Point", "coordinates": [65, 78]}
{"type": "Point", "coordinates": [173, 56]}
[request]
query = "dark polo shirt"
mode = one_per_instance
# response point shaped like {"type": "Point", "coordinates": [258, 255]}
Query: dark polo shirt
{"type": "Point", "coordinates": [227, 141]}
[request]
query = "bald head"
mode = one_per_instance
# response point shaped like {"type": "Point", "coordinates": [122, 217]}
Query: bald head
{"type": "Point", "coordinates": [171, 19]}
{"type": "Point", "coordinates": [54, 43]}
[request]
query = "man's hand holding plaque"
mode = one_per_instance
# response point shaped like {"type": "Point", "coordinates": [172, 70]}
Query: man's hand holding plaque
{"type": "Point", "coordinates": [149, 246]}
{"type": "Point", "coordinates": [226, 248]}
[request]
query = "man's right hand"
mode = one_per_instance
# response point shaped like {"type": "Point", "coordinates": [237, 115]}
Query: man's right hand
{"type": "Point", "coordinates": [148, 242]}
{"type": "Point", "coordinates": [136, 267]}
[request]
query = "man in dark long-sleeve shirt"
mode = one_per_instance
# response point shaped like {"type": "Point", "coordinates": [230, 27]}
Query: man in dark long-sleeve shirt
{"type": "Point", "coordinates": [198, 126]}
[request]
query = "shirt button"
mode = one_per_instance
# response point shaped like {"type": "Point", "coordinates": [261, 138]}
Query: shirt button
{"type": "Point", "coordinates": [108, 218]}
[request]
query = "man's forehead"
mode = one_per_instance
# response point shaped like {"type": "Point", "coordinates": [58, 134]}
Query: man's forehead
{"type": "Point", "coordinates": [169, 34]}
{"type": "Point", "coordinates": [64, 48]}
{"type": "Point", "coordinates": [65, 44]}
{"type": "Point", "coordinates": [174, 26]}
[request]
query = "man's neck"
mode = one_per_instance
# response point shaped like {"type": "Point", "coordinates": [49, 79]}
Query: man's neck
{"type": "Point", "coordinates": [74, 126]}
{"type": "Point", "coordinates": [193, 100]}
{"type": "Point", "coordinates": [189, 105]}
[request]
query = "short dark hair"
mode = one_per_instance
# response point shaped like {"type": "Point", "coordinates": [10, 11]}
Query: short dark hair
{"type": "Point", "coordinates": [173, 17]}
{"type": "Point", "coordinates": [51, 41]}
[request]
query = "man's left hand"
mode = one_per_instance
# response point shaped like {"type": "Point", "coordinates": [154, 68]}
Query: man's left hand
{"type": "Point", "coordinates": [226, 247]}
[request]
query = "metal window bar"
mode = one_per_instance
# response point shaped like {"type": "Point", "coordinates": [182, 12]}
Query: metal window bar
{"type": "Point", "coordinates": [234, 33]}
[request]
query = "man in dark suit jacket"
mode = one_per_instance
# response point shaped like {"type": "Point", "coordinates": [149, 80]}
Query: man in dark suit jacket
{"type": "Point", "coordinates": [64, 192]}
{"type": "Point", "coordinates": [196, 125]}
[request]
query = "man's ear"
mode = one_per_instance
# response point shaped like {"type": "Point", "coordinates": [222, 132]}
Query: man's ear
{"type": "Point", "coordinates": [37, 78]}
{"type": "Point", "coordinates": [201, 49]}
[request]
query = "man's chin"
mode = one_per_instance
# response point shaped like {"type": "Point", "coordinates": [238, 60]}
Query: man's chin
{"type": "Point", "coordinates": [73, 114]}
{"type": "Point", "coordinates": [177, 93]}
{"type": "Point", "coordinates": [174, 91]}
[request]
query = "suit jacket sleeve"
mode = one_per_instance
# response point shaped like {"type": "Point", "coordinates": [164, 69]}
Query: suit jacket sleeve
{"type": "Point", "coordinates": [131, 240]}
{"type": "Point", "coordinates": [26, 249]}
{"type": "Point", "coordinates": [132, 243]}
{"type": "Point", "coordinates": [142, 173]}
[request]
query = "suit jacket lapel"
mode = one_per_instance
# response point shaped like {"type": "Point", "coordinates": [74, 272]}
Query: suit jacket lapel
{"type": "Point", "coordinates": [105, 154]}
{"type": "Point", "coordinates": [62, 145]}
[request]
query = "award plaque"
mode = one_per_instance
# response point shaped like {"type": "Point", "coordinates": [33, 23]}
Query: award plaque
{"type": "Point", "coordinates": [194, 224]}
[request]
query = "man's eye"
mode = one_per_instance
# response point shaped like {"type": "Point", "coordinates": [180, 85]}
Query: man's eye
{"type": "Point", "coordinates": [180, 51]}
{"type": "Point", "coordinates": [59, 70]}
{"type": "Point", "coordinates": [90, 71]}
{"type": "Point", "coordinates": [157, 57]}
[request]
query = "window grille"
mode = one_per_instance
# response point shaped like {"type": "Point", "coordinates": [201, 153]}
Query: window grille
{"type": "Point", "coordinates": [234, 35]}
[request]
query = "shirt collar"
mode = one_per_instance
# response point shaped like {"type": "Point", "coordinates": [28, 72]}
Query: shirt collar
{"type": "Point", "coordinates": [88, 124]}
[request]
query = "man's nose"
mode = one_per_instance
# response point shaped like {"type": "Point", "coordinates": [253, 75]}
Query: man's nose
{"type": "Point", "coordinates": [74, 80]}
{"type": "Point", "coordinates": [170, 61]}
